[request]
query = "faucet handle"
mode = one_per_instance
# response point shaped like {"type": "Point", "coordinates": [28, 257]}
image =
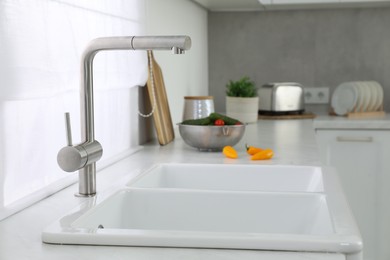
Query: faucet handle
{"type": "Point", "coordinates": [72, 158]}
{"type": "Point", "coordinates": [68, 129]}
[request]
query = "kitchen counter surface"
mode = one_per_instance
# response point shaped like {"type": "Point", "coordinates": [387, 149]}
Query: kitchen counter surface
{"type": "Point", "coordinates": [293, 142]}
{"type": "Point", "coordinates": [339, 122]}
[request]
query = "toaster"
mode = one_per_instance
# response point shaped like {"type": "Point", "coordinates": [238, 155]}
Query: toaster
{"type": "Point", "coordinates": [281, 98]}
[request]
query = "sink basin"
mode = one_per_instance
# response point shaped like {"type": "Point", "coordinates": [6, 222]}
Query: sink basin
{"type": "Point", "coordinates": [205, 211]}
{"type": "Point", "coordinates": [289, 208]}
{"type": "Point", "coordinates": [232, 177]}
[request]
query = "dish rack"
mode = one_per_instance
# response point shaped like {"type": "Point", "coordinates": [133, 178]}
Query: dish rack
{"type": "Point", "coordinates": [360, 114]}
{"type": "Point", "coordinates": [359, 99]}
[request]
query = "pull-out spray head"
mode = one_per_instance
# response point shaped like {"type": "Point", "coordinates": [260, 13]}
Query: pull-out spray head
{"type": "Point", "coordinates": [178, 44]}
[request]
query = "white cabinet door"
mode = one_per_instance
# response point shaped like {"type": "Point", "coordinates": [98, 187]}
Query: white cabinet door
{"type": "Point", "coordinates": [316, 3]}
{"type": "Point", "coordinates": [299, 1]}
{"type": "Point", "coordinates": [362, 159]}
{"type": "Point", "coordinates": [365, 1]}
{"type": "Point", "coordinates": [269, 2]}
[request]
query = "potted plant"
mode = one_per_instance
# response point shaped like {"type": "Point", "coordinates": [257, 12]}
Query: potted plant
{"type": "Point", "coordinates": [242, 101]}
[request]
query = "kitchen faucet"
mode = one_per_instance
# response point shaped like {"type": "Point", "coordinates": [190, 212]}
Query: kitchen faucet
{"type": "Point", "coordinates": [83, 157]}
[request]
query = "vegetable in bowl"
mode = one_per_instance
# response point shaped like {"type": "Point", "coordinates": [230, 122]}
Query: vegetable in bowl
{"type": "Point", "coordinates": [210, 134]}
{"type": "Point", "coordinates": [213, 119]}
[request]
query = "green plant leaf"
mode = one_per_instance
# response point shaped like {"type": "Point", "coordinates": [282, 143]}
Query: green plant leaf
{"type": "Point", "coordinates": [241, 88]}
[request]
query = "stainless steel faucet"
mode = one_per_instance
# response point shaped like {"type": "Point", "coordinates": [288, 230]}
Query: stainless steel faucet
{"type": "Point", "coordinates": [83, 156]}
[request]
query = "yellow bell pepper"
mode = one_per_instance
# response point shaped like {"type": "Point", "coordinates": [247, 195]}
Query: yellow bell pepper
{"type": "Point", "coordinates": [263, 155]}
{"type": "Point", "coordinates": [230, 152]}
{"type": "Point", "coordinates": [251, 150]}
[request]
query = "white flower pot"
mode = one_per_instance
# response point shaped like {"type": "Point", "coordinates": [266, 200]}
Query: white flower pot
{"type": "Point", "coordinates": [243, 109]}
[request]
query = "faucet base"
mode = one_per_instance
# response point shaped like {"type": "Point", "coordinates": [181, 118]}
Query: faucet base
{"type": "Point", "coordinates": [87, 180]}
{"type": "Point", "coordinates": [79, 195]}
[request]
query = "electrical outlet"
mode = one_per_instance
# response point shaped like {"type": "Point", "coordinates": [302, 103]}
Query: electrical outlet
{"type": "Point", "coordinates": [316, 95]}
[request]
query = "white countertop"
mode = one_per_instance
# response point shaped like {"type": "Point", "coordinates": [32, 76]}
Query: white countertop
{"type": "Point", "coordinates": [293, 142]}
{"type": "Point", "coordinates": [340, 122]}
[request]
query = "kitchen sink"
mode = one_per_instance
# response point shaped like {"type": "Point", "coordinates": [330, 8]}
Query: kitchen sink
{"type": "Point", "coordinates": [288, 208]}
{"type": "Point", "coordinates": [232, 177]}
{"type": "Point", "coordinates": [205, 211]}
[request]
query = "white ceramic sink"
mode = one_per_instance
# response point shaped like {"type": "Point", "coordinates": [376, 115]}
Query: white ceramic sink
{"type": "Point", "coordinates": [207, 211]}
{"type": "Point", "coordinates": [291, 208]}
{"type": "Point", "coordinates": [232, 177]}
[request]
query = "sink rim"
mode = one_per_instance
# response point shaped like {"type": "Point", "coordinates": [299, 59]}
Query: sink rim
{"type": "Point", "coordinates": [70, 234]}
{"type": "Point", "coordinates": [135, 181]}
{"type": "Point", "coordinates": [346, 238]}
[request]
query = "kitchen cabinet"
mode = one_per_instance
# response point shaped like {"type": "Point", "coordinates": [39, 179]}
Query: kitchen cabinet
{"type": "Point", "coordinates": [270, 2]}
{"type": "Point", "coordinates": [365, 1]}
{"type": "Point", "coordinates": [261, 5]}
{"type": "Point", "coordinates": [292, 2]}
{"type": "Point", "coordinates": [297, 4]}
{"type": "Point", "coordinates": [230, 5]}
{"type": "Point", "coordinates": [362, 159]}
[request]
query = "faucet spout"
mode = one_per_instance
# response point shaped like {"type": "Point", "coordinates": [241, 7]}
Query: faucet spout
{"type": "Point", "coordinates": [179, 44]}
{"type": "Point", "coordinates": [176, 43]}
{"type": "Point", "coordinates": [83, 157]}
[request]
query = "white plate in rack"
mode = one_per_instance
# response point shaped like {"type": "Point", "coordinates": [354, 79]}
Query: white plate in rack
{"type": "Point", "coordinates": [344, 98]}
{"type": "Point", "coordinates": [365, 96]}
{"type": "Point", "coordinates": [360, 101]}
{"type": "Point", "coordinates": [372, 98]}
{"type": "Point", "coordinates": [379, 97]}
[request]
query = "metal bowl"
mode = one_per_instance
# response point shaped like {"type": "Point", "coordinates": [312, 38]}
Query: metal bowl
{"type": "Point", "coordinates": [211, 138]}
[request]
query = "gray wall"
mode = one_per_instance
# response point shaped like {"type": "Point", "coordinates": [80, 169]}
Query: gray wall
{"type": "Point", "coordinates": [313, 47]}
